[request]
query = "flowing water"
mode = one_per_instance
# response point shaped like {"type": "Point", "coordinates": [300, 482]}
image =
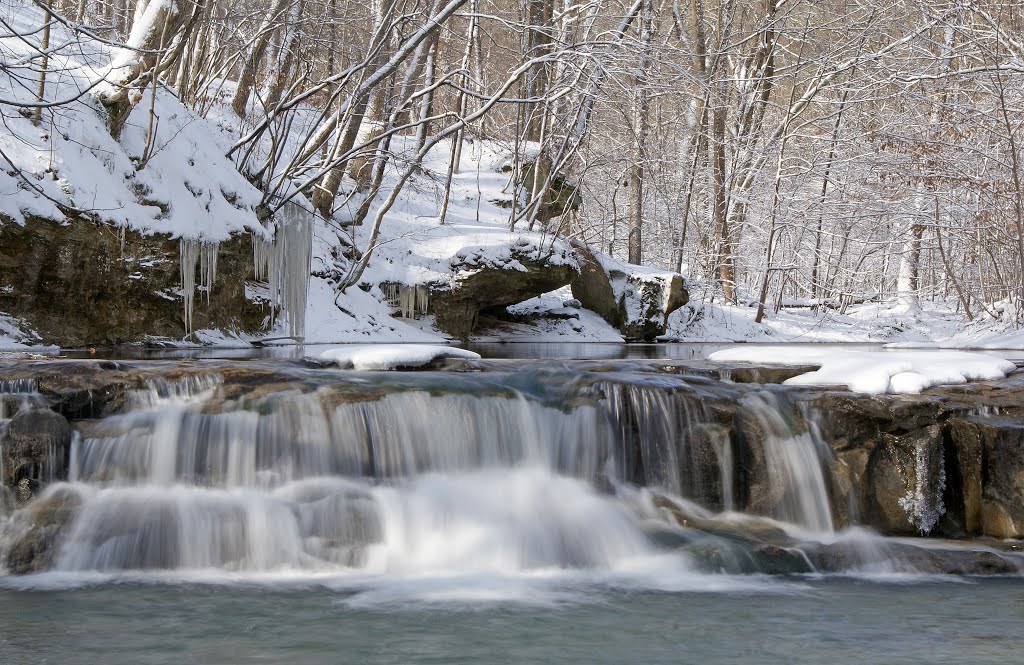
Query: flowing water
{"type": "Point", "coordinates": [534, 513]}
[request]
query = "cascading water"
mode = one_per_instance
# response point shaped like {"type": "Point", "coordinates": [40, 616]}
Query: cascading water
{"type": "Point", "coordinates": [412, 482]}
{"type": "Point", "coordinates": [440, 475]}
{"type": "Point", "coordinates": [793, 457]}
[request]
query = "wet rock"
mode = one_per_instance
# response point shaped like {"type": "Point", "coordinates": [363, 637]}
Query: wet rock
{"type": "Point", "coordinates": [848, 469]}
{"type": "Point", "coordinates": [906, 483]}
{"type": "Point", "coordinates": [35, 448]}
{"type": "Point", "coordinates": [761, 375]}
{"type": "Point", "coordinates": [902, 557]}
{"type": "Point", "coordinates": [990, 469]}
{"type": "Point", "coordinates": [31, 539]}
{"type": "Point", "coordinates": [748, 528]}
{"type": "Point", "coordinates": [708, 467]}
{"type": "Point", "coordinates": [852, 421]}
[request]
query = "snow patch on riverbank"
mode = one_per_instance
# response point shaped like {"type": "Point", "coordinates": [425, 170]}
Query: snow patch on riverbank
{"type": "Point", "coordinates": [875, 372]}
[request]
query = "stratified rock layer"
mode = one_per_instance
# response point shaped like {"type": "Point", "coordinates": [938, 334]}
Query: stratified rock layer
{"type": "Point", "coordinates": [82, 283]}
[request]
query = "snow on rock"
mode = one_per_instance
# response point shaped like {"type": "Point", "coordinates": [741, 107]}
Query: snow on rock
{"type": "Point", "coordinates": [392, 356]}
{"type": "Point", "coordinates": [875, 372]}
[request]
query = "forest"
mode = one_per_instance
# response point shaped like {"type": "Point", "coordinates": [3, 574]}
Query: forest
{"type": "Point", "coordinates": [779, 153]}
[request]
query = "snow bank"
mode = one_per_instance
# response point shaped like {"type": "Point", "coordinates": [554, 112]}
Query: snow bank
{"type": "Point", "coordinates": [392, 356]}
{"type": "Point", "coordinates": [875, 371]}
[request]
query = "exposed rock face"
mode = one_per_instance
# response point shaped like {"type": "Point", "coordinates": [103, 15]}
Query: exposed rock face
{"type": "Point", "coordinates": [989, 457]}
{"type": "Point", "coordinates": [482, 285]}
{"type": "Point", "coordinates": [82, 283]}
{"type": "Point", "coordinates": [935, 463]}
{"type": "Point", "coordinates": [593, 288]}
{"type": "Point", "coordinates": [35, 447]}
{"type": "Point", "coordinates": [636, 303]}
{"type": "Point", "coordinates": [33, 535]}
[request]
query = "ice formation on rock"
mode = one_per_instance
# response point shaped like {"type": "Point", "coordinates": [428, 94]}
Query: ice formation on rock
{"type": "Point", "coordinates": [191, 251]}
{"type": "Point", "coordinates": [412, 302]}
{"type": "Point", "coordinates": [923, 502]}
{"type": "Point", "coordinates": [288, 265]}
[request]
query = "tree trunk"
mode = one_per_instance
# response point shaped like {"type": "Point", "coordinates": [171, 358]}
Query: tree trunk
{"type": "Point", "coordinates": [247, 77]}
{"type": "Point", "coordinates": [157, 24]}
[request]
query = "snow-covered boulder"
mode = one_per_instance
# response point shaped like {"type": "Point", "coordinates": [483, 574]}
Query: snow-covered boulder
{"type": "Point", "coordinates": [392, 356]}
{"type": "Point", "coordinates": [635, 299]}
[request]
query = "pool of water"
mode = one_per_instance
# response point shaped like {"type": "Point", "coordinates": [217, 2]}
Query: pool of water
{"type": "Point", "coordinates": [793, 621]}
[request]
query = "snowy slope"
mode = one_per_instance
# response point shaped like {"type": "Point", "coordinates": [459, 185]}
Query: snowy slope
{"type": "Point", "coordinates": [186, 187]}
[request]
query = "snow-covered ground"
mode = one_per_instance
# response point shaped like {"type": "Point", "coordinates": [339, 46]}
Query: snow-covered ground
{"type": "Point", "coordinates": [934, 325]}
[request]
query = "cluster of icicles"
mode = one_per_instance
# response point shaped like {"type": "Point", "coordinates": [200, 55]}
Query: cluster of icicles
{"type": "Point", "coordinates": [283, 261]}
{"type": "Point", "coordinates": [411, 301]}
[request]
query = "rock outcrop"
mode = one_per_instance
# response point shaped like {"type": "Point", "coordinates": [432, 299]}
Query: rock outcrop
{"type": "Point", "coordinates": [34, 449]}
{"type": "Point", "coordinates": [486, 282]}
{"type": "Point", "coordinates": [637, 302]}
{"type": "Point", "coordinates": [83, 283]}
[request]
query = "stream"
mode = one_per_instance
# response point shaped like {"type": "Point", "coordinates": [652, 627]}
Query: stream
{"type": "Point", "coordinates": [628, 506]}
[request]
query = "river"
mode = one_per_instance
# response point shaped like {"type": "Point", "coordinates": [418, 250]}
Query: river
{"type": "Point", "coordinates": [618, 509]}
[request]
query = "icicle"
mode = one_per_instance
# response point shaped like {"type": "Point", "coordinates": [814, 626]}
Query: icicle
{"type": "Point", "coordinates": [188, 249]}
{"type": "Point", "coordinates": [412, 302]}
{"type": "Point", "coordinates": [408, 302]}
{"type": "Point", "coordinates": [261, 248]}
{"type": "Point", "coordinates": [208, 266]}
{"type": "Point", "coordinates": [422, 299]}
{"type": "Point", "coordinates": [288, 266]}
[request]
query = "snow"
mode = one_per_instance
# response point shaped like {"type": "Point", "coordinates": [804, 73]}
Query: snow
{"type": "Point", "coordinates": [874, 372]}
{"type": "Point", "coordinates": [186, 188]}
{"type": "Point", "coordinates": [392, 356]}
{"type": "Point", "coordinates": [189, 189]}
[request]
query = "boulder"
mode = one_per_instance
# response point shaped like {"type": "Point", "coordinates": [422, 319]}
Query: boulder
{"type": "Point", "coordinates": [592, 288]}
{"type": "Point", "coordinates": [486, 280]}
{"type": "Point", "coordinates": [83, 283]}
{"type": "Point", "coordinates": [35, 448]}
{"type": "Point", "coordinates": [634, 299]}
{"type": "Point", "coordinates": [646, 300]}
{"type": "Point", "coordinates": [32, 537]}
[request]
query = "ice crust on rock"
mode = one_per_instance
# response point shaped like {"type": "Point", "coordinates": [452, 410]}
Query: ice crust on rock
{"type": "Point", "coordinates": [392, 356]}
{"type": "Point", "coordinates": [875, 372]}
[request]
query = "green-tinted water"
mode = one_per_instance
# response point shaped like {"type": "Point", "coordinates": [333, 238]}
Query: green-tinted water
{"type": "Point", "coordinates": [797, 621]}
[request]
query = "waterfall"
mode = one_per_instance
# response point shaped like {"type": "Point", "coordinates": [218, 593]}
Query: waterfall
{"type": "Point", "coordinates": [424, 474]}
{"type": "Point", "coordinates": [793, 457]}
